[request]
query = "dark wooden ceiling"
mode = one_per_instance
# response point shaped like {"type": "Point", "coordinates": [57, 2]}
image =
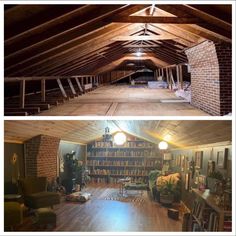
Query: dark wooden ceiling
{"type": "Point", "coordinates": [67, 40]}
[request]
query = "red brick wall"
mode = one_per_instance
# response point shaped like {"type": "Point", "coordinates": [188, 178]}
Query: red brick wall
{"type": "Point", "coordinates": [224, 54]}
{"type": "Point", "coordinates": [208, 66]}
{"type": "Point", "coordinates": [41, 156]}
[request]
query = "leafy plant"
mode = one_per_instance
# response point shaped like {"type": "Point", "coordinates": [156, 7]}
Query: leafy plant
{"type": "Point", "coordinates": [168, 187]}
{"type": "Point", "coordinates": [216, 175]}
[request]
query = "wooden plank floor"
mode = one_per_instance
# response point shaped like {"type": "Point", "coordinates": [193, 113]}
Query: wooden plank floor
{"type": "Point", "coordinates": [101, 215]}
{"type": "Point", "coordinates": [125, 101]}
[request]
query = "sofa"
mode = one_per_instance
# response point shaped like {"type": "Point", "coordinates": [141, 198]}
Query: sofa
{"type": "Point", "coordinates": [35, 194]}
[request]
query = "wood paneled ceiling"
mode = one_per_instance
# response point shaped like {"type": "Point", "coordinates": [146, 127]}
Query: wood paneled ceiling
{"type": "Point", "coordinates": [177, 133]}
{"type": "Point", "coordinates": [67, 40]}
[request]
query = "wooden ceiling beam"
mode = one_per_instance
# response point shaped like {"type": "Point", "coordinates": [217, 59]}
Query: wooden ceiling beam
{"type": "Point", "coordinates": [99, 62]}
{"type": "Point", "coordinates": [156, 61]}
{"type": "Point", "coordinates": [67, 36]}
{"type": "Point", "coordinates": [145, 37]}
{"type": "Point", "coordinates": [21, 18]}
{"type": "Point", "coordinates": [183, 37]}
{"type": "Point", "coordinates": [211, 23]}
{"type": "Point", "coordinates": [204, 33]}
{"type": "Point", "coordinates": [73, 47]}
{"type": "Point", "coordinates": [79, 50]}
{"type": "Point", "coordinates": [157, 19]}
{"type": "Point", "coordinates": [94, 62]}
{"type": "Point", "coordinates": [141, 46]}
{"type": "Point", "coordinates": [206, 17]}
{"type": "Point", "coordinates": [55, 41]}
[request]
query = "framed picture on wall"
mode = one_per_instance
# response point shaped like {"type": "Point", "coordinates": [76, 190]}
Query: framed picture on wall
{"type": "Point", "coordinates": [210, 167]}
{"type": "Point", "coordinates": [221, 157]}
{"type": "Point", "coordinates": [198, 159]}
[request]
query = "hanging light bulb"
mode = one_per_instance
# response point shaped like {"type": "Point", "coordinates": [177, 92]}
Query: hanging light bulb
{"type": "Point", "coordinates": [163, 145]}
{"type": "Point", "coordinates": [138, 53]}
{"type": "Point", "coordinates": [119, 138]}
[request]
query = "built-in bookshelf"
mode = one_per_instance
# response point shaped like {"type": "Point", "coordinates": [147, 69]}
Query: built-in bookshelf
{"type": "Point", "coordinates": [108, 163]}
{"type": "Point", "coordinates": [207, 215]}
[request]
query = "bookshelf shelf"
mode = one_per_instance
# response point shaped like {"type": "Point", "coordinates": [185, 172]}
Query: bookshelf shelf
{"type": "Point", "coordinates": [207, 214]}
{"type": "Point", "coordinates": [135, 159]}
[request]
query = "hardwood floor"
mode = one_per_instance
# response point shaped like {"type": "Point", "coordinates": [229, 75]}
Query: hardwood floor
{"type": "Point", "coordinates": [125, 101]}
{"type": "Point", "coordinates": [101, 215]}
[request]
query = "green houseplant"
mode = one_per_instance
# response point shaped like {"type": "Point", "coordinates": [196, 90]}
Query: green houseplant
{"type": "Point", "coordinates": [167, 191]}
{"type": "Point", "coordinates": [212, 179]}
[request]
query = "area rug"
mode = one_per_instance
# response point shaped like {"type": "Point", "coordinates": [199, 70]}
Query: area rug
{"type": "Point", "coordinates": [116, 196]}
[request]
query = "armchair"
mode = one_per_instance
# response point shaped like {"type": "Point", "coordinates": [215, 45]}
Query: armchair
{"type": "Point", "coordinates": [34, 191]}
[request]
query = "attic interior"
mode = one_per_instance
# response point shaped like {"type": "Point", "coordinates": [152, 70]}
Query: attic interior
{"type": "Point", "coordinates": [118, 175]}
{"type": "Point", "coordinates": [154, 59]}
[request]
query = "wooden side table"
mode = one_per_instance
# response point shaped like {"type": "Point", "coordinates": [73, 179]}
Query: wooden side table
{"type": "Point", "coordinates": [122, 184]}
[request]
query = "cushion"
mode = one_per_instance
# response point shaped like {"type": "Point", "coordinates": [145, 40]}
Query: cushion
{"type": "Point", "coordinates": [78, 197]}
{"type": "Point", "coordinates": [172, 177]}
{"type": "Point", "coordinates": [45, 216]}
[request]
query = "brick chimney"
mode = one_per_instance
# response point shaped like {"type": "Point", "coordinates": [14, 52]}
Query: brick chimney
{"type": "Point", "coordinates": [41, 156]}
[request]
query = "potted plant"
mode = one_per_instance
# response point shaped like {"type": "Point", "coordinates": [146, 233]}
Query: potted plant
{"type": "Point", "coordinates": [212, 180]}
{"type": "Point", "coordinates": [167, 192]}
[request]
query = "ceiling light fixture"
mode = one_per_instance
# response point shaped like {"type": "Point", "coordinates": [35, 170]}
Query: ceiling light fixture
{"type": "Point", "coordinates": [119, 138]}
{"type": "Point", "coordinates": [163, 145]}
{"type": "Point", "coordinates": [139, 53]}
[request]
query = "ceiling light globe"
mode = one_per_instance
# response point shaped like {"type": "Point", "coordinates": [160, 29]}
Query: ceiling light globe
{"type": "Point", "coordinates": [163, 145]}
{"type": "Point", "coordinates": [119, 138]}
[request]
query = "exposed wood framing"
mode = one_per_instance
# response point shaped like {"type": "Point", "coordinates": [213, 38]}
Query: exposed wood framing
{"type": "Point", "coordinates": [22, 93]}
{"type": "Point", "coordinates": [43, 90]}
{"type": "Point", "coordinates": [71, 86]}
{"type": "Point", "coordinates": [61, 88]}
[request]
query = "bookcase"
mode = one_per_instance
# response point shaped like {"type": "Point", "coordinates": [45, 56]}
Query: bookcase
{"type": "Point", "coordinates": [135, 159]}
{"type": "Point", "coordinates": [207, 216]}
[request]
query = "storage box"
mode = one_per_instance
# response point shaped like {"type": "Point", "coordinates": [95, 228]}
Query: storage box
{"type": "Point", "coordinates": [173, 214]}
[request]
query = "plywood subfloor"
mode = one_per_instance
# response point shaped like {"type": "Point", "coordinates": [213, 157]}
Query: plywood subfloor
{"type": "Point", "coordinates": [100, 215]}
{"type": "Point", "coordinates": [125, 101]}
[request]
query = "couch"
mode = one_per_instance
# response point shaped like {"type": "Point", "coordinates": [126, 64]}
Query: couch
{"type": "Point", "coordinates": [35, 194]}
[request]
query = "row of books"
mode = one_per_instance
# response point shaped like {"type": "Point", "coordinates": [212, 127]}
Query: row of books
{"type": "Point", "coordinates": [133, 144]}
{"type": "Point", "coordinates": [228, 223]}
{"type": "Point", "coordinates": [146, 163]}
{"type": "Point", "coordinates": [140, 172]}
{"type": "Point", "coordinates": [206, 219]}
{"type": "Point", "coordinates": [113, 180]}
{"type": "Point", "coordinates": [122, 153]}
